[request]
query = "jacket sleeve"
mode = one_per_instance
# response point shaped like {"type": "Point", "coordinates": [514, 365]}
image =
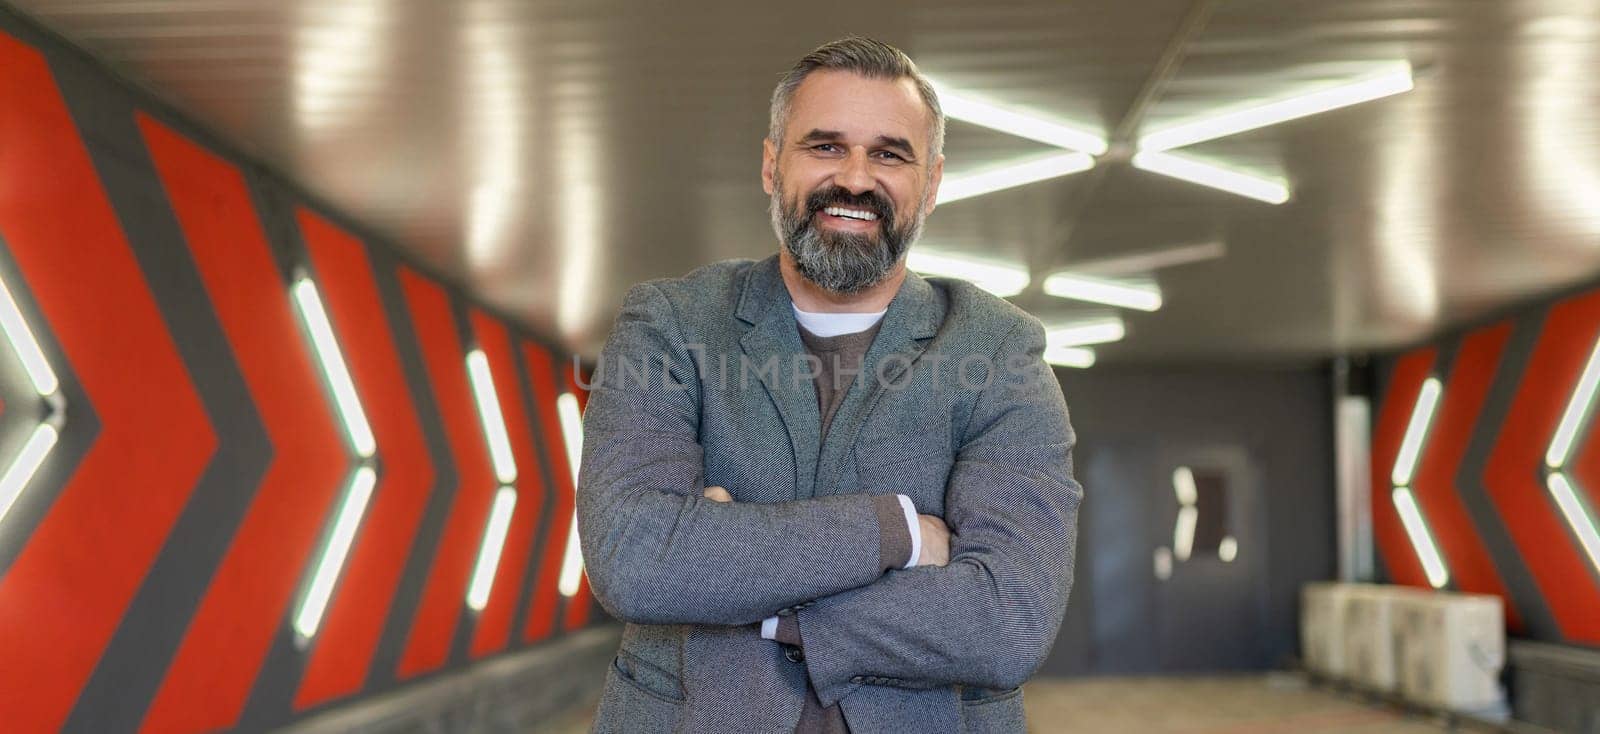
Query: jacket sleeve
{"type": "Point", "coordinates": [988, 618]}
{"type": "Point", "coordinates": [655, 550]}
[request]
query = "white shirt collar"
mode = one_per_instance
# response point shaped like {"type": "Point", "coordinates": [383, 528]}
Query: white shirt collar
{"type": "Point", "coordinates": [836, 324]}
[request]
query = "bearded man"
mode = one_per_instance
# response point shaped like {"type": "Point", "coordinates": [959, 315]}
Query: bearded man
{"type": "Point", "coordinates": [886, 542]}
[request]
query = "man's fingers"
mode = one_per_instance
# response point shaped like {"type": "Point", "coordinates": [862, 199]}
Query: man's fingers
{"type": "Point", "coordinates": [718, 494]}
{"type": "Point", "coordinates": [935, 541]}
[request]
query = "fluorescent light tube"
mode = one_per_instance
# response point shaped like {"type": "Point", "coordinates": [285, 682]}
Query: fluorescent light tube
{"type": "Point", "coordinates": [24, 345]}
{"type": "Point", "coordinates": [494, 540]}
{"type": "Point", "coordinates": [1577, 410]}
{"type": "Point", "coordinates": [1145, 262]}
{"type": "Point", "coordinates": [966, 109]}
{"type": "Point", "coordinates": [1098, 331]}
{"type": "Point", "coordinates": [572, 431]}
{"type": "Point", "coordinates": [25, 466]}
{"type": "Point", "coordinates": [333, 365]}
{"type": "Point", "coordinates": [1272, 191]}
{"type": "Point", "coordinates": [956, 188]}
{"type": "Point", "coordinates": [1228, 549]}
{"type": "Point", "coordinates": [309, 618]}
{"type": "Point", "coordinates": [1001, 280]}
{"type": "Point", "coordinates": [1405, 464]}
{"type": "Point", "coordinates": [1183, 485]}
{"type": "Point", "coordinates": [1395, 79]}
{"type": "Point", "coordinates": [1183, 534]}
{"type": "Point", "coordinates": [1421, 539]}
{"type": "Point", "coordinates": [494, 422]}
{"type": "Point", "coordinates": [1079, 357]}
{"type": "Point", "coordinates": [1578, 518]}
{"type": "Point", "coordinates": [1140, 297]}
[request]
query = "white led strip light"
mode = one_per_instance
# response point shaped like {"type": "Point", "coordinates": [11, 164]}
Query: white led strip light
{"type": "Point", "coordinates": [348, 521]}
{"type": "Point", "coordinates": [44, 436]}
{"type": "Point", "coordinates": [505, 467]}
{"type": "Point", "coordinates": [494, 540]}
{"type": "Point", "coordinates": [1578, 516]}
{"type": "Point", "coordinates": [358, 493]}
{"type": "Point", "coordinates": [1405, 466]}
{"type": "Point", "coordinates": [572, 432]}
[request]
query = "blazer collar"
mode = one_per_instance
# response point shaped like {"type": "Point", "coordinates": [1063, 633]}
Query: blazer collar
{"type": "Point", "coordinates": [914, 312]}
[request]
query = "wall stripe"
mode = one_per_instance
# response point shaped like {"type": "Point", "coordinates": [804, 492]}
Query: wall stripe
{"type": "Point", "coordinates": [1394, 414]}
{"type": "Point", "coordinates": [62, 598]}
{"type": "Point", "coordinates": [578, 607]}
{"type": "Point", "coordinates": [493, 630]}
{"type": "Point", "coordinates": [340, 658]}
{"type": "Point", "coordinates": [249, 601]}
{"type": "Point", "coordinates": [1472, 371]}
{"type": "Point", "coordinates": [1514, 470]}
{"type": "Point", "coordinates": [434, 629]}
{"type": "Point", "coordinates": [548, 605]}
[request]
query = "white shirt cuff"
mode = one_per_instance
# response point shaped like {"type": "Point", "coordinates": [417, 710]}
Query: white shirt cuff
{"type": "Point", "coordinates": [916, 531]}
{"type": "Point", "coordinates": [769, 628]}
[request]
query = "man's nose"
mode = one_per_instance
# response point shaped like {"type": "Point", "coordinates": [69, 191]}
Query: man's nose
{"type": "Point", "coordinates": [855, 175]}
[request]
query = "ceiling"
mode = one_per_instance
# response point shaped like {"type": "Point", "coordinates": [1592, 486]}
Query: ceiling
{"type": "Point", "coordinates": [548, 154]}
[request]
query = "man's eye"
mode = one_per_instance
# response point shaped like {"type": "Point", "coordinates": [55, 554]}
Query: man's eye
{"type": "Point", "coordinates": [887, 155]}
{"type": "Point", "coordinates": [825, 148]}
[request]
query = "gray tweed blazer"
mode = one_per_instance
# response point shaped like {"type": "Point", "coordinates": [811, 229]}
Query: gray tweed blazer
{"type": "Point", "coordinates": [703, 382]}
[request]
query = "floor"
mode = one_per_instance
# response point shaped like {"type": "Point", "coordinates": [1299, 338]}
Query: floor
{"type": "Point", "coordinates": [1246, 704]}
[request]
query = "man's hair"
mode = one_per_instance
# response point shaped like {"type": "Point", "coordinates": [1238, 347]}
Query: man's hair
{"type": "Point", "coordinates": [865, 56]}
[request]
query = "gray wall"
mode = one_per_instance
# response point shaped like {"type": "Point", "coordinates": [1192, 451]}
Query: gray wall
{"type": "Point", "coordinates": [1271, 431]}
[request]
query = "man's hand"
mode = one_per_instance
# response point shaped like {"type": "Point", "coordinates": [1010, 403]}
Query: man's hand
{"type": "Point", "coordinates": [935, 541]}
{"type": "Point", "coordinates": [718, 494]}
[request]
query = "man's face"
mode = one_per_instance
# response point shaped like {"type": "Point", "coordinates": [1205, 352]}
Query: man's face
{"type": "Point", "coordinates": [854, 179]}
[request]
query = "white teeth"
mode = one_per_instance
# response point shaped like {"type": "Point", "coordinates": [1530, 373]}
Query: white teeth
{"type": "Point", "coordinates": [851, 213]}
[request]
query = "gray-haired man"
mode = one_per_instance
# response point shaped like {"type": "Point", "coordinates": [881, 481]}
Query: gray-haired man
{"type": "Point", "coordinates": [838, 406]}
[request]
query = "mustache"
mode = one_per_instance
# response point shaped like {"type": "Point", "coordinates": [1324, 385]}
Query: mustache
{"type": "Point", "coordinates": [871, 201]}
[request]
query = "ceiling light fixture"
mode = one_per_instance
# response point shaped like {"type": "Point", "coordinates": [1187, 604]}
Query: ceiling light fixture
{"type": "Point", "coordinates": [958, 106]}
{"type": "Point", "coordinates": [1084, 333]}
{"type": "Point", "coordinates": [956, 188]}
{"type": "Point", "coordinates": [1077, 357]}
{"type": "Point", "coordinates": [999, 279]}
{"type": "Point", "coordinates": [1270, 190]}
{"type": "Point", "coordinates": [1137, 296]}
{"type": "Point", "coordinates": [1393, 79]}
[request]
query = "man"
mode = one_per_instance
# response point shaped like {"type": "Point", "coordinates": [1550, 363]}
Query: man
{"type": "Point", "coordinates": [769, 448]}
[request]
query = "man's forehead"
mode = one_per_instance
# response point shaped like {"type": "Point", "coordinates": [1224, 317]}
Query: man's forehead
{"type": "Point", "coordinates": [858, 107]}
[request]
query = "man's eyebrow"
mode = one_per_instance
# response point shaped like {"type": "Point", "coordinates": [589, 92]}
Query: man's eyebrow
{"type": "Point", "coordinates": [819, 134]}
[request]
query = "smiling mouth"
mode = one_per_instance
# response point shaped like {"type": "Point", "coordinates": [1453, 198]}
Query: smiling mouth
{"type": "Point", "coordinates": [848, 214]}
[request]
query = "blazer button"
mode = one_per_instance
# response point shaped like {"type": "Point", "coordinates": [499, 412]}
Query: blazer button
{"type": "Point", "coordinates": [794, 654]}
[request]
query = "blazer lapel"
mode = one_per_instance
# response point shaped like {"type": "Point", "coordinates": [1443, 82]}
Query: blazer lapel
{"type": "Point", "coordinates": [771, 346]}
{"type": "Point", "coordinates": [913, 318]}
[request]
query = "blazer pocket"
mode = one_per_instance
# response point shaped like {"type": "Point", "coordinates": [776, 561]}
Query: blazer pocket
{"type": "Point", "coordinates": [1001, 713]}
{"type": "Point", "coordinates": [636, 700]}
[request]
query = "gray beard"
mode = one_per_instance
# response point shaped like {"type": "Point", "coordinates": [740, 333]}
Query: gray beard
{"type": "Point", "coordinates": [840, 262]}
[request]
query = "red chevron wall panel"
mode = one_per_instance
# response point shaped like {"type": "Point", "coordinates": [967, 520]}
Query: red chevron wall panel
{"type": "Point", "coordinates": [156, 272]}
{"type": "Point", "coordinates": [349, 636]}
{"type": "Point", "coordinates": [1471, 374]}
{"type": "Point", "coordinates": [1394, 414]}
{"type": "Point", "coordinates": [542, 612]}
{"type": "Point", "coordinates": [1513, 475]}
{"type": "Point", "coordinates": [247, 604]}
{"type": "Point", "coordinates": [63, 596]}
{"type": "Point", "coordinates": [433, 317]}
{"type": "Point", "coordinates": [494, 622]}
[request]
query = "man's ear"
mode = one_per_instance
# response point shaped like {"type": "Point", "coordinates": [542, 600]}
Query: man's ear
{"type": "Point", "coordinates": [934, 177]}
{"type": "Point", "coordinates": [769, 164]}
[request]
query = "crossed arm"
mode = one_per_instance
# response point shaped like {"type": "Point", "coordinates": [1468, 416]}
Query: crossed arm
{"type": "Point", "coordinates": [659, 552]}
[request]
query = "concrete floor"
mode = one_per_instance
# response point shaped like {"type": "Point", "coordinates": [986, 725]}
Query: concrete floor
{"type": "Point", "coordinates": [1245, 704]}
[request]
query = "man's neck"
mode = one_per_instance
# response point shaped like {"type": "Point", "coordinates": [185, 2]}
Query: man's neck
{"type": "Point", "coordinates": [809, 296]}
